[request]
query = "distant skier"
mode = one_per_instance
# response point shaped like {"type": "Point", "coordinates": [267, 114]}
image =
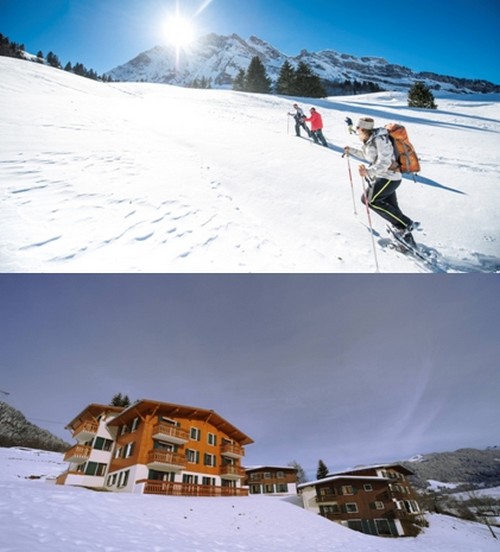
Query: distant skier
{"type": "Point", "coordinates": [300, 118]}
{"type": "Point", "coordinates": [316, 127]}
{"type": "Point", "coordinates": [350, 125]}
{"type": "Point", "coordinates": [383, 180]}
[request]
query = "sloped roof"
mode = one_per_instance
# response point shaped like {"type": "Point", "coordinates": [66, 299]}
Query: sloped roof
{"type": "Point", "coordinates": [146, 406]}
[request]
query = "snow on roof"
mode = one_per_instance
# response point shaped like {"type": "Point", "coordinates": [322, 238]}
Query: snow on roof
{"type": "Point", "coordinates": [345, 476]}
{"type": "Point", "coordinates": [270, 467]}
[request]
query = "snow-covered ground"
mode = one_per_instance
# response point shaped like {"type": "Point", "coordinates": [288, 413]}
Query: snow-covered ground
{"type": "Point", "coordinates": [37, 515]}
{"type": "Point", "coordinates": [152, 178]}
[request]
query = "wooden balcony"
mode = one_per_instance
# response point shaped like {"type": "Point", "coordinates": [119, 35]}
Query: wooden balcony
{"type": "Point", "coordinates": [77, 454]}
{"type": "Point", "coordinates": [188, 489]}
{"type": "Point", "coordinates": [232, 472]}
{"type": "Point", "coordinates": [170, 433]}
{"type": "Point", "coordinates": [165, 461]}
{"type": "Point", "coordinates": [86, 431]}
{"type": "Point", "coordinates": [232, 450]}
{"type": "Point", "coordinates": [326, 499]}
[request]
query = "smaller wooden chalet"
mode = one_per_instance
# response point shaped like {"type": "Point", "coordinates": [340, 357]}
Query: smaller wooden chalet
{"type": "Point", "coordinates": [271, 480]}
{"type": "Point", "coordinates": [377, 500]}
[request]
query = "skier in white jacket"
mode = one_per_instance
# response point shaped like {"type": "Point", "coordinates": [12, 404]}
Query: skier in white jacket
{"type": "Point", "coordinates": [382, 175]}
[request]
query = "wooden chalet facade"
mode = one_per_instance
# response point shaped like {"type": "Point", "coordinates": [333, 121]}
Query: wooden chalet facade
{"type": "Point", "coordinates": [156, 448]}
{"type": "Point", "coordinates": [377, 500]}
{"type": "Point", "coordinates": [271, 480]}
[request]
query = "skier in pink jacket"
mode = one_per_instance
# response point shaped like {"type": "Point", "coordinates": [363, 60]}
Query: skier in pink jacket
{"type": "Point", "coordinates": [316, 127]}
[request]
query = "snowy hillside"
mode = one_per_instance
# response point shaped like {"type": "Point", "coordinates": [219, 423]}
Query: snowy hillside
{"type": "Point", "coordinates": [153, 178]}
{"type": "Point", "coordinates": [37, 515]}
{"type": "Point", "coordinates": [219, 58]}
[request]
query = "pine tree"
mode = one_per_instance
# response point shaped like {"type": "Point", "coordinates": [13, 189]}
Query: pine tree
{"type": "Point", "coordinates": [420, 95]}
{"type": "Point", "coordinates": [239, 81]}
{"type": "Point", "coordinates": [322, 470]}
{"type": "Point", "coordinates": [256, 78]}
{"type": "Point", "coordinates": [308, 84]}
{"type": "Point", "coordinates": [119, 400]}
{"type": "Point", "coordinates": [286, 83]}
{"type": "Point", "coordinates": [53, 60]}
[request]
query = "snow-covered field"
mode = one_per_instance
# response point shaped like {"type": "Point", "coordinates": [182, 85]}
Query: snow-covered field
{"type": "Point", "coordinates": [151, 178]}
{"type": "Point", "coordinates": [39, 516]}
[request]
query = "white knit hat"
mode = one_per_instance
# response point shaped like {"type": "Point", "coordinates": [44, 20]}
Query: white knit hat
{"type": "Point", "coordinates": [366, 123]}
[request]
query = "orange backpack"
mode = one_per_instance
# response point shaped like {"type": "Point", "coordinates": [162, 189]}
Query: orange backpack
{"type": "Point", "coordinates": [406, 156]}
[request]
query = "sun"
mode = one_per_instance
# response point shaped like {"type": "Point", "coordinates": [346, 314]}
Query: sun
{"type": "Point", "coordinates": [179, 31]}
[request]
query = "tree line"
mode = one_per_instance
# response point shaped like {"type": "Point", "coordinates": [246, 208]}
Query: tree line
{"type": "Point", "coordinates": [9, 48]}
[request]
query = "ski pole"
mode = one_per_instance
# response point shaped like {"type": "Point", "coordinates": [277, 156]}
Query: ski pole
{"type": "Point", "coordinates": [352, 185]}
{"type": "Point", "coordinates": [370, 223]}
{"type": "Point", "coordinates": [288, 124]}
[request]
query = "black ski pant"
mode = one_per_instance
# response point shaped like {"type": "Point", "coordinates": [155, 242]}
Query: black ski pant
{"type": "Point", "coordinates": [317, 136]}
{"type": "Point", "coordinates": [299, 125]}
{"type": "Point", "coordinates": [383, 200]}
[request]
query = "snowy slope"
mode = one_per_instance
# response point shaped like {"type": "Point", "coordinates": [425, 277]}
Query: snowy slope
{"type": "Point", "coordinates": [152, 178]}
{"type": "Point", "coordinates": [39, 516]}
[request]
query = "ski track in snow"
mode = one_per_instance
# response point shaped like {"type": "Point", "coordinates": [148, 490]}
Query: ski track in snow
{"type": "Point", "coordinates": [151, 178]}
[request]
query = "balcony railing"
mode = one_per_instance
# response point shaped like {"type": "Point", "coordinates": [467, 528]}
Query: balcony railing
{"type": "Point", "coordinates": [328, 498]}
{"type": "Point", "coordinates": [86, 430]}
{"type": "Point", "coordinates": [188, 489]}
{"type": "Point", "coordinates": [232, 450]}
{"type": "Point", "coordinates": [165, 461]}
{"type": "Point", "coordinates": [77, 454]}
{"type": "Point", "coordinates": [232, 472]}
{"type": "Point", "coordinates": [170, 433]}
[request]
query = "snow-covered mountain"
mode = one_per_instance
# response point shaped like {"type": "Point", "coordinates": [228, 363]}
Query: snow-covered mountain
{"type": "Point", "coordinates": [219, 58]}
{"type": "Point", "coordinates": [16, 430]}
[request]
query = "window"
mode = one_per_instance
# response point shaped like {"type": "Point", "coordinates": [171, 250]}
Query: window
{"type": "Point", "coordinates": [368, 487]}
{"type": "Point", "coordinates": [378, 505]}
{"type": "Point", "coordinates": [195, 434]}
{"type": "Point", "coordinates": [269, 489]}
{"type": "Point", "coordinates": [347, 490]}
{"type": "Point", "coordinates": [326, 491]}
{"type": "Point", "coordinates": [255, 476]}
{"type": "Point", "coordinates": [267, 475]}
{"type": "Point", "coordinates": [212, 439]}
{"type": "Point", "coordinates": [281, 488]}
{"type": "Point", "coordinates": [188, 478]}
{"type": "Point", "coordinates": [128, 450]}
{"type": "Point", "coordinates": [123, 478]}
{"type": "Point", "coordinates": [383, 527]}
{"type": "Point", "coordinates": [355, 525]}
{"type": "Point", "coordinates": [329, 509]}
{"type": "Point", "coordinates": [192, 456]}
{"type": "Point", "coordinates": [94, 468]}
{"type": "Point", "coordinates": [102, 444]}
{"type": "Point", "coordinates": [111, 480]}
{"type": "Point", "coordinates": [351, 508]}
{"type": "Point", "coordinates": [135, 424]}
{"type": "Point", "coordinates": [255, 489]}
{"type": "Point", "coordinates": [208, 481]}
{"type": "Point", "coordinates": [209, 460]}
{"type": "Point", "coordinates": [280, 475]}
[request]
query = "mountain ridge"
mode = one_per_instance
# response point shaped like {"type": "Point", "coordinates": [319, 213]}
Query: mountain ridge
{"type": "Point", "coordinates": [220, 58]}
{"type": "Point", "coordinates": [16, 430]}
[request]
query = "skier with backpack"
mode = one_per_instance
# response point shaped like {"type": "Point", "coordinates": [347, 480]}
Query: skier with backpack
{"type": "Point", "coordinates": [383, 176]}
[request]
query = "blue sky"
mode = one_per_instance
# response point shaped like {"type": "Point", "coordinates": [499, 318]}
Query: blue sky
{"type": "Point", "coordinates": [350, 369]}
{"type": "Point", "coordinates": [453, 37]}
